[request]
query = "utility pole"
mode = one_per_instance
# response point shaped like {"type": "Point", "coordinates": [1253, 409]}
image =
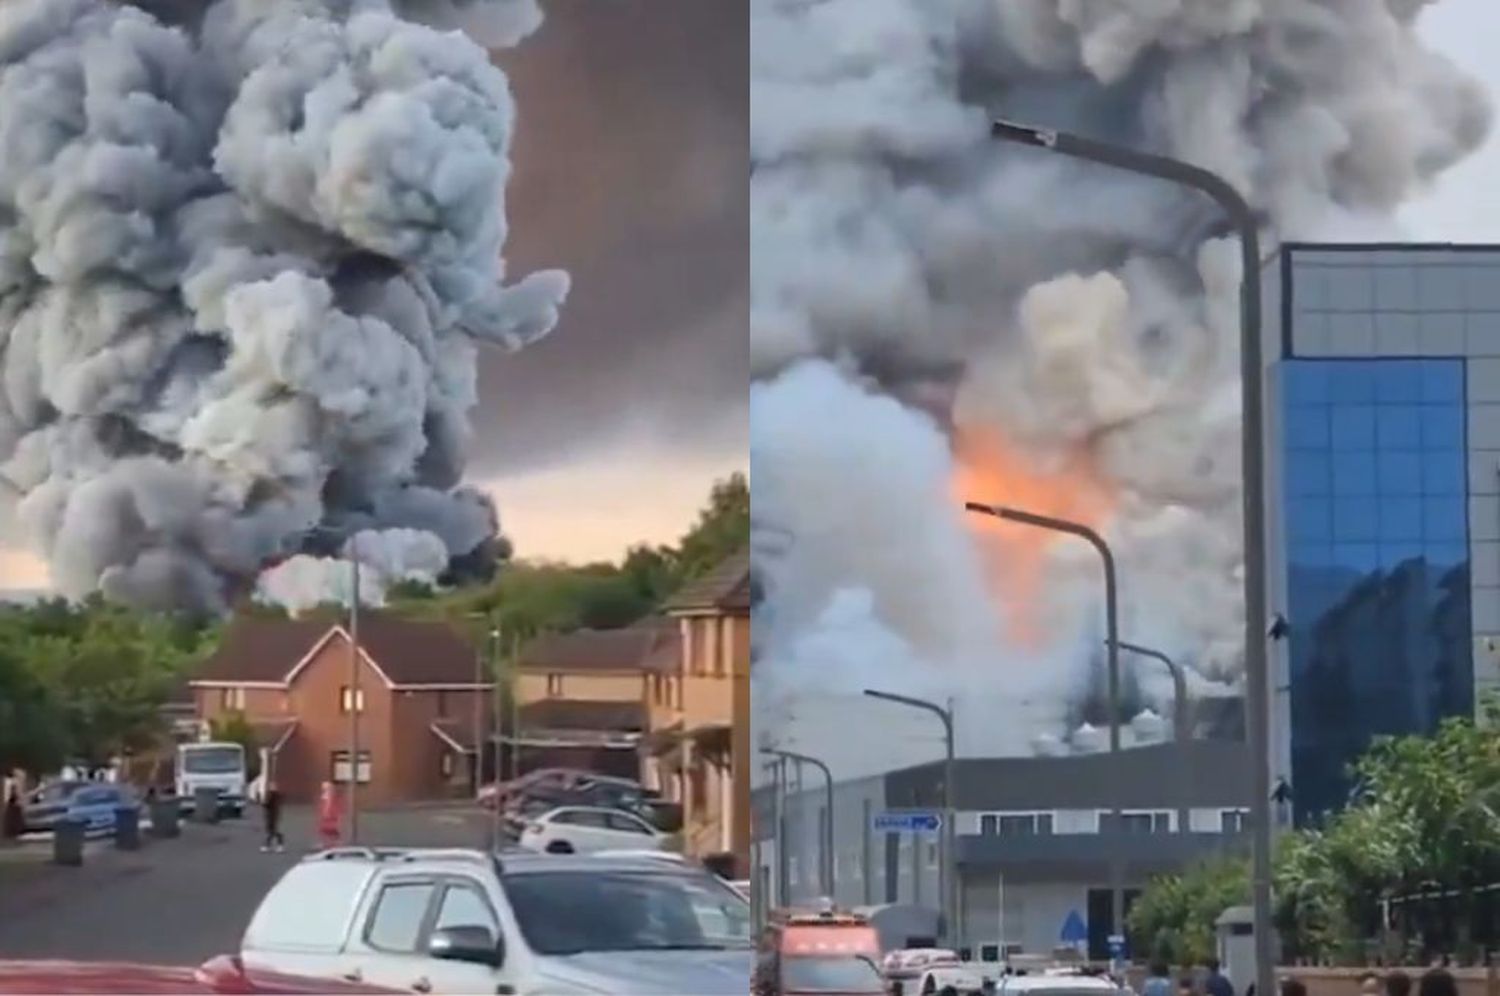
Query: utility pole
{"type": "Point", "coordinates": [1182, 734]}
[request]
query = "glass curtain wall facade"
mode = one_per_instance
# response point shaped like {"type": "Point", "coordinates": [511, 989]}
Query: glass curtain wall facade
{"type": "Point", "coordinates": [1376, 511]}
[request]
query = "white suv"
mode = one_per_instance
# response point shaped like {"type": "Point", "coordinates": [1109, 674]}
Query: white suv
{"type": "Point", "coordinates": [434, 921]}
{"type": "Point", "coordinates": [582, 829]}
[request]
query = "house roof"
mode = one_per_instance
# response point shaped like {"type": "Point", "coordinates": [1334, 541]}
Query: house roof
{"type": "Point", "coordinates": [726, 588]}
{"type": "Point", "coordinates": [410, 653]}
{"type": "Point", "coordinates": [584, 714]}
{"type": "Point", "coordinates": [454, 734]}
{"type": "Point", "coordinates": [652, 645]}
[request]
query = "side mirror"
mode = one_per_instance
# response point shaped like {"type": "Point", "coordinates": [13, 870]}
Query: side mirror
{"type": "Point", "coordinates": [475, 945]}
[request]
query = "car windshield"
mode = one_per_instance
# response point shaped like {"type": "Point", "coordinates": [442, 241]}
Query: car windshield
{"type": "Point", "coordinates": [571, 912]}
{"type": "Point", "coordinates": [213, 760]}
{"type": "Point", "coordinates": [830, 975]}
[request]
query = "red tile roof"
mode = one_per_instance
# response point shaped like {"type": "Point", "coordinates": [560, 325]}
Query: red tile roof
{"type": "Point", "coordinates": [726, 588]}
{"type": "Point", "coordinates": [653, 645]}
{"type": "Point", "coordinates": [409, 652]}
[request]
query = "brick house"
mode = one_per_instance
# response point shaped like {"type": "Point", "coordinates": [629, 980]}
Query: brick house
{"type": "Point", "coordinates": [707, 749]}
{"type": "Point", "coordinates": [421, 691]}
{"type": "Point", "coordinates": [588, 698]}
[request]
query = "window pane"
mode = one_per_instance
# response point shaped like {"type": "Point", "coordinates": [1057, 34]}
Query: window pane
{"type": "Point", "coordinates": [1442, 427]}
{"type": "Point", "coordinates": [1363, 557]}
{"type": "Point", "coordinates": [1444, 473]}
{"type": "Point", "coordinates": [1044, 823]}
{"type": "Point", "coordinates": [1354, 519]}
{"type": "Point", "coordinates": [397, 920]}
{"type": "Point", "coordinates": [1393, 555]}
{"type": "Point", "coordinates": [1306, 383]}
{"type": "Point", "coordinates": [1399, 472]}
{"type": "Point", "coordinates": [1398, 427]}
{"type": "Point", "coordinates": [1308, 473]}
{"type": "Point", "coordinates": [1400, 519]}
{"type": "Point", "coordinates": [988, 826]}
{"type": "Point", "coordinates": [1354, 473]}
{"type": "Point", "coordinates": [1307, 428]}
{"type": "Point", "coordinates": [463, 906]}
{"type": "Point", "coordinates": [1443, 381]}
{"type": "Point", "coordinates": [1353, 427]}
{"type": "Point", "coordinates": [1443, 520]}
{"type": "Point", "coordinates": [1444, 556]}
{"type": "Point", "coordinates": [1309, 520]}
{"type": "Point", "coordinates": [1397, 383]}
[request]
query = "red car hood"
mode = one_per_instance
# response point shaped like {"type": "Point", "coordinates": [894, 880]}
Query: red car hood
{"type": "Point", "coordinates": [220, 975]}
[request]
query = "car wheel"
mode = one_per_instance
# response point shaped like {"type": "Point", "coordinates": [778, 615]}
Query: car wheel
{"type": "Point", "coordinates": [948, 991]}
{"type": "Point", "coordinates": [559, 847]}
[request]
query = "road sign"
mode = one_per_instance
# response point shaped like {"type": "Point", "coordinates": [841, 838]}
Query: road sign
{"type": "Point", "coordinates": [1074, 930]}
{"type": "Point", "coordinates": [1117, 945]}
{"type": "Point", "coordinates": [909, 821]}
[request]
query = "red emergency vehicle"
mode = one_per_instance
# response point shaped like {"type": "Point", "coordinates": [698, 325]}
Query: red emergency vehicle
{"type": "Point", "coordinates": [824, 952]}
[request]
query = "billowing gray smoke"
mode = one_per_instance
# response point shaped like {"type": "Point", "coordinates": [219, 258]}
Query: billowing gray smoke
{"type": "Point", "coordinates": [247, 253]}
{"type": "Point", "coordinates": [915, 282]}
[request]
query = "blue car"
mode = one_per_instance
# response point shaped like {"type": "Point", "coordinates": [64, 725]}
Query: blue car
{"type": "Point", "coordinates": [95, 805]}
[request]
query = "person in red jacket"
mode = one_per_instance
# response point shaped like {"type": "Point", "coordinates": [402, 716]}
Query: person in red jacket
{"type": "Point", "coordinates": [329, 815]}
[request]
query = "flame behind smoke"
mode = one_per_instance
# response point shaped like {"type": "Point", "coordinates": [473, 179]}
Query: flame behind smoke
{"type": "Point", "coordinates": [1066, 486]}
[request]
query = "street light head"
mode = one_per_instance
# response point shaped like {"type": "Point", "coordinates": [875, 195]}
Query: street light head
{"type": "Point", "coordinates": [1041, 138]}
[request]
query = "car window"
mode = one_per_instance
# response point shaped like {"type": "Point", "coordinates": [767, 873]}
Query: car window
{"type": "Point", "coordinates": [395, 923]}
{"type": "Point", "coordinates": [310, 909]}
{"type": "Point", "coordinates": [464, 905]}
{"type": "Point", "coordinates": [626, 822]}
{"type": "Point", "coordinates": [570, 912]}
{"type": "Point", "coordinates": [93, 797]}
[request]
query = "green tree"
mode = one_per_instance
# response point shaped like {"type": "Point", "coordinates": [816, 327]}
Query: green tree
{"type": "Point", "coordinates": [722, 529]}
{"type": "Point", "coordinates": [234, 728]}
{"type": "Point", "coordinates": [1174, 918]}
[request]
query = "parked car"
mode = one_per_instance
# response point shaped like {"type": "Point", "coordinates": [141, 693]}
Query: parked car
{"type": "Point", "coordinates": [94, 804]}
{"type": "Point", "coordinates": [933, 970]}
{"type": "Point", "coordinates": [451, 921]}
{"type": "Point", "coordinates": [503, 793]}
{"type": "Point", "coordinates": [45, 805]}
{"type": "Point", "coordinates": [582, 829]}
{"type": "Point", "coordinates": [599, 791]}
{"type": "Point", "coordinates": [220, 975]}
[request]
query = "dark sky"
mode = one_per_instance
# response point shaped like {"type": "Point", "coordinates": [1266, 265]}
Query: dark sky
{"type": "Point", "coordinates": [632, 171]}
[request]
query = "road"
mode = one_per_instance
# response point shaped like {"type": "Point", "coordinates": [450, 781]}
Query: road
{"type": "Point", "coordinates": [181, 901]}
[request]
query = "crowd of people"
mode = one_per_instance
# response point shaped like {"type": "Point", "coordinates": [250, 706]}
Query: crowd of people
{"type": "Point", "coordinates": [1433, 982]}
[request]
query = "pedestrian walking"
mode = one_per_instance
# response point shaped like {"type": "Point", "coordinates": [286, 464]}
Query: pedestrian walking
{"type": "Point", "coordinates": [270, 804]}
{"type": "Point", "coordinates": [1216, 984]}
{"type": "Point", "coordinates": [15, 818]}
{"type": "Point", "coordinates": [328, 816]}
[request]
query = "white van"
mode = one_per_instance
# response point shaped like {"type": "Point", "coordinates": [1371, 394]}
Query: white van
{"type": "Point", "coordinates": [216, 765]}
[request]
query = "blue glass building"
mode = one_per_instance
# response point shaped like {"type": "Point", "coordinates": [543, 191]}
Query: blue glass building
{"type": "Point", "coordinates": [1385, 474]}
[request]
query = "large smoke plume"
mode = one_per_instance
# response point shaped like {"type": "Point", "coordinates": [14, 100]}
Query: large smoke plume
{"type": "Point", "coordinates": [247, 253]}
{"type": "Point", "coordinates": [936, 316]}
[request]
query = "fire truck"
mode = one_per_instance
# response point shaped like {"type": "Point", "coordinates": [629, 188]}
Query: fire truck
{"type": "Point", "coordinates": [827, 951]}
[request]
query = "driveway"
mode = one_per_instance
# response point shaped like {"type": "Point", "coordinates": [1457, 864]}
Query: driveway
{"type": "Point", "coordinates": [181, 901]}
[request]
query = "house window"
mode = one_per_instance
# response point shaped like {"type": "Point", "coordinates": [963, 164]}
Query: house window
{"type": "Point", "coordinates": [1015, 824]}
{"type": "Point", "coordinates": [340, 766]}
{"type": "Point", "coordinates": [231, 698]}
{"type": "Point", "coordinates": [1234, 820]}
{"type": "Point", "coordinates": [351, 698]}
{"type": "Point", "coordinates": [554, 686]}
{"type": "Point", "coordinates": [1153, 822]}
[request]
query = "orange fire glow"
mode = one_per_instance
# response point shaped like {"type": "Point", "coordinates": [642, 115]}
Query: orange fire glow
{"type": "Point", "coordinates": [993, 471]}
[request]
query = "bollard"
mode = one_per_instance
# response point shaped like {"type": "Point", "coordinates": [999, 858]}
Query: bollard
{"type": "Point", "coordinates": [67, 843]}
{"type": "Point", "coordinates": [128, 828]}
{"type": "Point", "coordinates": [206, 805]}
{"type": "Point", "coordinates": [166, 815]}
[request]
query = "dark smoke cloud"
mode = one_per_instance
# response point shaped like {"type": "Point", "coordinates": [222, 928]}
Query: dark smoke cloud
{"type": "Point", "coordinates": [631, 168]}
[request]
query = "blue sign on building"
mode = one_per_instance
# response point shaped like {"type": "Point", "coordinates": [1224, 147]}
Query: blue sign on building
{"type": "Point", "coordinates": [1074, 930]}
{"type": "Point", "coordinates": [910, 821]}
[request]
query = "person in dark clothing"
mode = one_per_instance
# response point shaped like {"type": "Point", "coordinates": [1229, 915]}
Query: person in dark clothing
{"type": "Point", "coordinates": [1216, 984]}
{"type": "Point", "coordinates": [1437, 982]}
{"type": "Point", "coordinates": [271, 804]}
{"type": "Point", "coordinates": [1293, 987]}
{"type": "Point", "coordinates": [15, 817]}
{"type": "Point", "coordinates": [1398, 983]}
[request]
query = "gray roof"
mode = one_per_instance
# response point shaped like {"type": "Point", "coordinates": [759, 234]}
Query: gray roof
{"type": "Point", "coordinates": [1216, 773]}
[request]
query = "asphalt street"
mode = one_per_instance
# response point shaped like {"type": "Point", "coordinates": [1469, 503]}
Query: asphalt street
{"type": "Point", "coordinates": [181, 901]}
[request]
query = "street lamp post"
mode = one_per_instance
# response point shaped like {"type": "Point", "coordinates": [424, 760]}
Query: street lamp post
{"type": "Point", "coordinates": [1257, 688]}
{"type": "Point", "coordinates": [949, 879]}
{"type": "Point", "coordinates": [1112, 656]}
{"type": "Point", "coordinates": [826, 871]}
{"type": "Point", "coordinates": [1181, 733]}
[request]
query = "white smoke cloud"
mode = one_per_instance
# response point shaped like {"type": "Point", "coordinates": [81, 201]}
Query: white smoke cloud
{"type": "Point", "coordinates": [247, 254]}
{"type": "Point", "coordinates": [1075, 310]}
{"type": "Point", "coordinates": [385, 557]}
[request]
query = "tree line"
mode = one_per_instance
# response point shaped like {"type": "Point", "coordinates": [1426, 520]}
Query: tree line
{"type": "Point", "coordinates": [85, 682]}
{"type": "Point", "coordinates": [1409, 870]}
